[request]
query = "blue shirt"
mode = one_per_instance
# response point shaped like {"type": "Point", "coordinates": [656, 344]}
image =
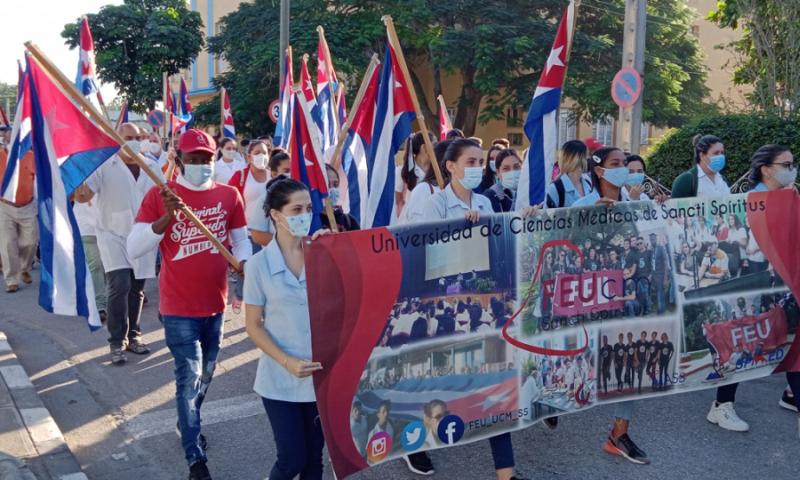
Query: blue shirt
{"type": "Point", "coordinates": [446, 205]}
{"type": "Point", "coordinates": [270, 284]}
{"type": "Point", "coordinates": [571, 195]}
{"type": "Point", "coordinates": [760, 188]}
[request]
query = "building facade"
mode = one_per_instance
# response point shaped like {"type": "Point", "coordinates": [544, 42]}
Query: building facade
{"type": "Point", "coordinates": [719, 81]}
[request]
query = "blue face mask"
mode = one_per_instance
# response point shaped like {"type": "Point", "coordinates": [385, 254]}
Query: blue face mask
{"type": "Point", "coordinates": [472, 177]}
{"type": "Point", "coordinates": [333, 194]}
{"type": "Point", "coordinates": [634, 179]}
{"type": "Point", "coordinates": [198, 174]}
{"type": "Point", "coordinates": [716, 163]}
{"type": "Point", "coordinates": [616, 176]}
{"type": "Point", "coordinates": [300, 224]}
{"type": "Point", "coordinates": [510, 179]}
{"type": "Point", "coordinates": [492, 165]}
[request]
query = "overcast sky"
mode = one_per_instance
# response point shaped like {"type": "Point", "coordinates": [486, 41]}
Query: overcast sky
{"type": "Point", "coordinates": [42, 22]}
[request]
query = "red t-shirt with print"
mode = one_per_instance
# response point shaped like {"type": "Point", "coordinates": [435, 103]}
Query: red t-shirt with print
{"type": "Point", "coordinates": [193, 281]}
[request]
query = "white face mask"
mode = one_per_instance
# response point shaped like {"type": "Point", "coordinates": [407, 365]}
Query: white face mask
{"type": "Point", "coordinates": [228, 154]}
{"type": "Point", "coordinates": [472, 177]}
{"type": "Point", "coordinates": [155, 148]}
{"type": "Point", "coordinates": [260, 161]}
{"type": "Point", "coordinates": [299, 225]}
{"type": "Point", "coordinates": [197, 175]}
{"type": "Point", "coordinates": [144, 146]}
{"type": "Point", "coordinates": [133, 144]}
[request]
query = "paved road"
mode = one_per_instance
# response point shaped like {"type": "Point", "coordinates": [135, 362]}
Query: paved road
{"type": "Point", "coordinates": [119, 421]}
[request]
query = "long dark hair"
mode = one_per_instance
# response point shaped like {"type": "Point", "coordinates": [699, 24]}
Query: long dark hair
{"type": "Point", "coordinates": [438, 150]}
{"type": "Point", "coordinates": [702, 144]}
{"type": "Point", "coordinates": [456, 148]}
{"type": "Point", "coordinates": [277, 156]}
{"type": "Point", "coordinates": [489, 176]}
{"type": "Point", "coordinates": [505, 153]}
{"type": "Point", "coordinates": [764, 156]}
{"type": "Point", "coordinates": [598, 159]}
{"type": "Point", "coordinates": [414, 145]}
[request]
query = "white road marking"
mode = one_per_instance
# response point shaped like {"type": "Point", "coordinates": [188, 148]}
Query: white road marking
{"type": "Point", "coordinates": [15, 377]}
{"type": "Point", "coordinates": [224, 410]}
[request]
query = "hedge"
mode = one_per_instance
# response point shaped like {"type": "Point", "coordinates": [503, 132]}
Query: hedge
{"type": "Point", "coordinates": [741, 135]}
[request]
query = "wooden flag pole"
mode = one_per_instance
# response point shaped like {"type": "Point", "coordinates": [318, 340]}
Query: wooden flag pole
{"type": "Point", "coordinates": [125, 152]}
{"type": "Point", "coordinates": [119, 117]}
{"type": "Point", "coordinates": [362, 90]}
{"type": "Point", "coordinates": [222, 112]}
{"type": "Point", "coordinates": [329, 72]}
{"type": "Point", "coordinates": [317, 143]}
{"type": "Point", "coordinates": [401, 60]}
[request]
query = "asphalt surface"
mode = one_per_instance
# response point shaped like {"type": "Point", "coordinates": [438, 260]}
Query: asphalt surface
{"type": "Point", "coordinates": [119, 421]}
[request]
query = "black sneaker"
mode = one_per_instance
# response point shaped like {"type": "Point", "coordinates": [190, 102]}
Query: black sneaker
{"type": "Point", "coordinates": [118, 356]}
{"type": "Point", "coordinates": [203, 441]}
{"type": "Point", "coordinates": [551, 422]}
{"type": "Point", "coordinates": [199, 471]}
{"type": "Point", "coordinates": [419, 463]}
{"type": "Point", "coordinates": [518, 478]}
{"type": "Point", "coordinates": [624, 447]}
{"type": "Point", "coordinates": [787, 401]}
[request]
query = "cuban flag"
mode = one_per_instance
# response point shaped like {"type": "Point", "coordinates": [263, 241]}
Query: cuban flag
{"type": "Point", "coordinates": [326, 85]}
{"type": "Point", "coordinates": [21, 139]}
{"type": "Point", "coordinates": [67, 148]}
{"type": "Point", "coordinates": [394, 113]}
{"type": "Point", "coordinates": [228, 130]}
{"type": "Point", "coordinates": [85, 80]}
{"type": "Point", "coordinates": [342, 104]}
{"type": "Point", "coordinates": [307, 159]}
{"type": "Point", "coordinates": [283, 129]}
{"type": "Point", "coordinates": [355, 148]}
{"type": "Point", "coordinates": [445, 125]}
{"type": "Point", "coordinates": [310, 98]}
{"type": "Point", "coordinates": [186, 107]}
{"type": "Point", "coordinates": [541, 126]}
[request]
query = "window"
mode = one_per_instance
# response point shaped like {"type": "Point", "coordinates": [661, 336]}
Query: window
{"type": "Point", "coordinates": [515, 139]}
{"type": "Point", "coordinates": [566, 126]}
{"type": "Point", "coordinates": [644, 136]}
{"type": "Point", "coordinates": [513, 117]}
{"type": "Point", "coordinates": [603, 130]}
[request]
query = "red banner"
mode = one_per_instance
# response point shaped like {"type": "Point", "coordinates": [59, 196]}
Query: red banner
{"type": "Point", "coordinates": [756, 335]}
{"type": "Point", "coordinates": [588, 292]}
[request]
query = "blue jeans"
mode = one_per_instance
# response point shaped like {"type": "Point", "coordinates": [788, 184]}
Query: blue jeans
{"type": "Point", "coordinates": [643, 294]}
{"type": "Point", "coordinates": [194, 344]}
{"type": "Point", "coordinates": [502, 451]}
{"type": "Point", "coordinates": [661, 294]}
{"type": "Point", "coordinates": [297, 430]}
{"type": "Point", "coordinates": [624, 410]}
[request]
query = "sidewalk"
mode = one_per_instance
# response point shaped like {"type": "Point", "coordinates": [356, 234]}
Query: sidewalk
{"type": "Point", "coordinates": [31, 444]}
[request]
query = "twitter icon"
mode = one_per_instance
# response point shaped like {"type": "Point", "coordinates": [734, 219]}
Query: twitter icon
{"type": "Point", "coordinates": [413, 436]}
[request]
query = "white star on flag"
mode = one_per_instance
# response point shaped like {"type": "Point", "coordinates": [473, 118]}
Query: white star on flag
{"type": "Point", "coordinates": [492, 400]}
{"type": "Point", "coordinates": [305, 156]}
{"type": "Point", "coordinates": [554, 59]}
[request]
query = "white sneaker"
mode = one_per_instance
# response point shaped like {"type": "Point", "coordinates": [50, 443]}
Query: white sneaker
{"type": "Point", "coordinates": [725, 416]}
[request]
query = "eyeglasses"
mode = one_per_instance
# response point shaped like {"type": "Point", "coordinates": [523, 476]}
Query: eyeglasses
{"type": "Point", "coordinates": [786, 165]}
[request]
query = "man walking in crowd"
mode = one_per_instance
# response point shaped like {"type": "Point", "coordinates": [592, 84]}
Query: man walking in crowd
{"type": "Point", "coordinates": [192, 310]}
{"type": "Point", "coordinates": [117, 188]}
{"type": "Point", "coordinates": [619, 360]}
{"type": "Point", "coordinates": [18, 228]}
{"type": "Point", "coordinates": [642, 345]}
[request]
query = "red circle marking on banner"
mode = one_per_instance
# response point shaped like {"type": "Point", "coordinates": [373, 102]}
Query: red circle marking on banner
{"type": "Point", "coordinates": [629, 82]}
{"type": "Point", "coordinates": [274, 110]}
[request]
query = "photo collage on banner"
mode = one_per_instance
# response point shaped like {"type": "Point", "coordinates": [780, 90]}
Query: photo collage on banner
{"type": "Point", "coordinates": [601, 305]}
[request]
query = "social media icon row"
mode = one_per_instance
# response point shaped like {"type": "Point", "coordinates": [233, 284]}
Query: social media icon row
{"type": "Point", "coordinates": [450, 431]}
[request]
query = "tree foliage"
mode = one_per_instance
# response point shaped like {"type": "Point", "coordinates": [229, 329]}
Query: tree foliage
{"type": "Point", "coordinates": [496, 47]}
{"type": "Point", "coordinates": [136, 41]}
{"type": "Point", "coordinates": [741, 134]}
{"type": "Point", "coordinates": [769, 51]}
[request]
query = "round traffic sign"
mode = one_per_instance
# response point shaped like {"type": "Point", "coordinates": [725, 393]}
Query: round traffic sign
{"type": "Point", "coordinates": [155, 118]}
{"type": "Point", "coordinates": [274, 110]}
{"type": "Point", "coordinates": [626, 88]}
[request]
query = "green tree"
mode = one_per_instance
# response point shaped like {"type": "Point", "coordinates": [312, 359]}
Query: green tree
{"type": "Point", "coordinates": [769, 51]}
{"type": "Point", "coordinates": [136, 41]}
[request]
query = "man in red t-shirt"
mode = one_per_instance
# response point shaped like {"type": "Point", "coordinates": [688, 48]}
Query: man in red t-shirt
{"type": "Point", "coordinates": [193, 285]}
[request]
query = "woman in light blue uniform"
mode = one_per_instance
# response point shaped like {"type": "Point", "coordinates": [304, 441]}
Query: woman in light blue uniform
{"type": "Point", "coordinates": [457, 200]}
{"type": "Point", "coordinates": [571, 184]}
{"type": "Point", "coordinates": [277, 321]}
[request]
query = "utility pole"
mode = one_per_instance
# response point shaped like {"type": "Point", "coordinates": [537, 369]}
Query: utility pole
{"type": "Point", "coordinates": [630, 119]}
{"type": "Point", "coordinates": [284, 34]}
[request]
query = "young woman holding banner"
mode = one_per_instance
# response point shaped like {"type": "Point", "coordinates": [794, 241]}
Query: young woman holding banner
{"type": "Point", "coordinates": [457, 200]}
{"type": "Point", "coordinates": [773, 168]}
{"type": "Point", "coordinates": [277, 321]}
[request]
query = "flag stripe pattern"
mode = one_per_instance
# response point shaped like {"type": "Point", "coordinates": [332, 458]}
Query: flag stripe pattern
{"type": "Point", "coordinates": [229, 131]}
{"type": "Point", "coordinates": [283, 129]}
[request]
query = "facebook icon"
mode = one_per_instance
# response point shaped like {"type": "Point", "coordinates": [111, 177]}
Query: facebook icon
{"type": "Point", "coordinates": [451, 429]}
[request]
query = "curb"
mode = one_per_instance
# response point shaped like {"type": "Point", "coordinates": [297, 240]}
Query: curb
{"type": "Point", "coordinates": [27, 427]}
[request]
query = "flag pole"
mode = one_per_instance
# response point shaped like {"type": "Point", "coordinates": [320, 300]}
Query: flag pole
{"type": "Point", "coordinates": [125, 151]}
{"type": "Point", "coordinates": [401, 60]}
{"type": "Point", "coordinates": [329, 72]}
{"type": "Point", "coordinates": [318, 142]}
{"type": "Point", "coordinates": [443, 109]}
{"type": "Point", "coordinates": [287, 72]}
{"type": "Point", "coordinates": [362, 90]}
{"type": "Point", "coordinates": [221, 112]}
{"type": "Point", "coordinates": [119, 117]}
{"type": "Point", "coordinates": [165, 127]}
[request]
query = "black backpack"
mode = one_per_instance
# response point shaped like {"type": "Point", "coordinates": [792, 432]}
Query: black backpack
{"type": "Point", "coordinates": [560, 191]}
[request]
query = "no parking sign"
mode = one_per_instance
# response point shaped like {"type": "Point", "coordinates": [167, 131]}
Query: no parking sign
{"type": "Point", "coordinates": [626, 87]}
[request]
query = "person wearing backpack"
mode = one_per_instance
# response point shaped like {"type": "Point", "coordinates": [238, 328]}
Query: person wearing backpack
{"type": "Point", "coordinates": [571, 183]}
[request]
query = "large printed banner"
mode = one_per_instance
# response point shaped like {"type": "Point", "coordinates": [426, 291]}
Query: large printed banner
{"type": "Point", "coordinates": [446, 333]}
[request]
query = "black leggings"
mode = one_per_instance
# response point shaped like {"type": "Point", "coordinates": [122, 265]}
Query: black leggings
{"type": "Point", "coordinates": [727, 393]}
{"type": "Point", "coordinates": [794, 384]}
